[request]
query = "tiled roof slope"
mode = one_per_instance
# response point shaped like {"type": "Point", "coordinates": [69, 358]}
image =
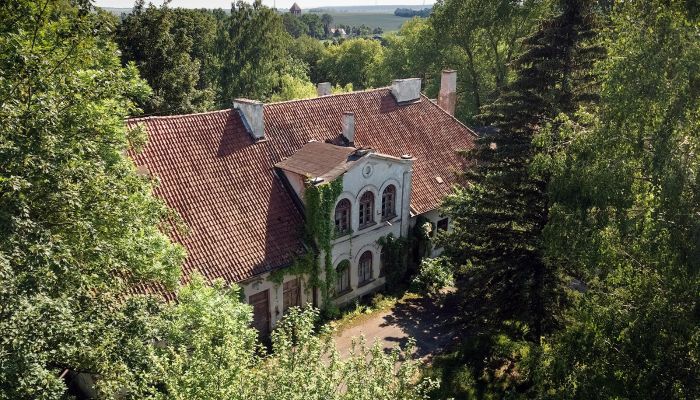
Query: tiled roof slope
{"type": "Point", "coordinates": [421, 129]}
{"type": "Point", "coordinates": [242, 221]}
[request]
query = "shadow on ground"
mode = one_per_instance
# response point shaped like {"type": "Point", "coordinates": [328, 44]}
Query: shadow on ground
{"type": "Point", "coordinates": [429, 322]}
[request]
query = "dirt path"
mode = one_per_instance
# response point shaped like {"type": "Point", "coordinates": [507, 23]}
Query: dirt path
{"type": "Point", "coordinates": [427, 321]}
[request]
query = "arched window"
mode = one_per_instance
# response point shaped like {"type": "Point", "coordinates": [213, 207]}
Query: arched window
{"type": "Point", "coordinates": [366, 209]}
{"type": "Point", "coordinates": [389, 202]}
{"type": "Point", "coordinates": [364, 269]}
{"type": "Point", "coordinates": [342, 277]}
{"type": "Point", "coordinates": [342, 217]}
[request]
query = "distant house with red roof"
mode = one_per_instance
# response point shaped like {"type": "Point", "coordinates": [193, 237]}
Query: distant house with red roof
{"type": "Point", "coordinates": [237, 178]}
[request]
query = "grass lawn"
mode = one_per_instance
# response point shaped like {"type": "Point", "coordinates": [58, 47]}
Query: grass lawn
{"type": "Point", "coordinates": [359, 312]}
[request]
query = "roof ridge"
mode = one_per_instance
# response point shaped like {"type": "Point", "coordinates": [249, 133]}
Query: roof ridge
{"type": "Point", "coordinates": [329, 95]}
{"type": "Point", "coordinates": [150, 117]}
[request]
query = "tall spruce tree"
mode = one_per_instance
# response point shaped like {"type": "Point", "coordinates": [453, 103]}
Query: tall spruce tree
{"type": "Point", "coordinates": [499, 216]}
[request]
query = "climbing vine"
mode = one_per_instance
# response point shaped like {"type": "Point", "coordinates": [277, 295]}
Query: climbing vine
{"type": "Point", "coordinates": [394, 259]}
{"type": "Point", "coordinates": [319, 202]}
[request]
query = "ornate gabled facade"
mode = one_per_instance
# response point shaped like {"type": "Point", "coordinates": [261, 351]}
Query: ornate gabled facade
{"type": "Point", "coordinates": [237, 177]}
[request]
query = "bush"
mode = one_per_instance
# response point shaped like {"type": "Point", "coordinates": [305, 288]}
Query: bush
{"type": "Point", "coordinates": [434, 274]}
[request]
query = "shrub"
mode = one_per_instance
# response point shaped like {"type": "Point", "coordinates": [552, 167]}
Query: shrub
{"type": "Point", "coordinates": [434, 274]}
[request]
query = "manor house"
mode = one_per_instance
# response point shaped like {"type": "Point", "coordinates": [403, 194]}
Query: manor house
{"type": "Point", "coordinates": [238, 178]}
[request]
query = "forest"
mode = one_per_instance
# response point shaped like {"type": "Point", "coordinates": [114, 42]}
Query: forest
{"type": "Point", "coordinates": [575, 250]}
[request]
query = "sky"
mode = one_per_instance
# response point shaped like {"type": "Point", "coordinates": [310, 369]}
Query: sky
{"type": "Point", "coordinates": [280, 3]}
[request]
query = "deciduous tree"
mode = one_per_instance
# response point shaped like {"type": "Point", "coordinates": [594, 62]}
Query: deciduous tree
{"type": "Point", "coordinates": [79, 229]}
{"type": "Point", "coordinates": [173, 50]}
{"type": "Point", "coordinates": [626, 216]}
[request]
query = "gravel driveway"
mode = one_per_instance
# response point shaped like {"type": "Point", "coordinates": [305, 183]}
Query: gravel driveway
{"type": "Point", "coordinates": [429, 322]}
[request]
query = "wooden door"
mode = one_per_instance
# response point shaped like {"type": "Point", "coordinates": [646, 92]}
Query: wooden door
{"type": "Point", "coordinates": [261, 311]}
{"type": "Point", "coordinates": [291, 294]}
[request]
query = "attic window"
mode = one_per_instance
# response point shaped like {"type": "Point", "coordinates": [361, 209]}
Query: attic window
{"type": "Point", "coordinates": [439, 180]}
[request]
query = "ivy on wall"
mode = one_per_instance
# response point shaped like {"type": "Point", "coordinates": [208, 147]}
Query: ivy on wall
{"type": "Point", "coordinates": [319, 202]}
{"type": "Point", "coordinates": [394, 259]}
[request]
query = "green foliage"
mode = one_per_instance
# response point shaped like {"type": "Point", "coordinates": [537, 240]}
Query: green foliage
{"type": "Point", "coordinates": [434, 275]}
{"type": "Point", "coordinates": [495, 366]}
{"type": "Point", "coordinates": [79, 229]}
{"type": "Point", "coordinates": [294, 25]}
{"type": "Point", "coordinates": [498, 220]}
{"type": "Point", "coordinates": [319, 203]}
{"type": "Point", "coordinates": [309, 51]}
{"type": "Point", "coordinates": [294, 88]}
{"type": "Point", "coordinates": [394, 260]}
{"type": "Point", "coordinates": [626, 200]}
{"type": "Point", "coordinates": [482, 40]}
{"type": "Point", "coordinates": [420, 237]}
{"type": "Point", "coordinates": [252, 48]}
{"type": "Point", "coordinates": [411, 52]}
{"type": "Point", "coordinates": [353, 62]}
{"type": "Point", "coordinates": [172, 49]}
{"type": "Point", "coordinates": [209, 351]}
{"type": "Point", "coordinates": [314, 25]}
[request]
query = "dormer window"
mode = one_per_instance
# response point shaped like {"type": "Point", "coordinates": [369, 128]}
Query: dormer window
{"type": "Point", "coordinates": [366, 209]}
{"type": "Point", "coordinates": [389, 202]}
{"type": "Point", "coordinates": [342, 217]}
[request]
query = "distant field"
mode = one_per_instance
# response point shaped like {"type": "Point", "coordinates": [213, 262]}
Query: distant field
{"type": "Point", "coordinates": [353, 16]}
{"type": "Point", "coordinates": [388, 22]}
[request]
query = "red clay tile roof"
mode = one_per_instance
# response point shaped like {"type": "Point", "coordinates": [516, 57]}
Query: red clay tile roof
{"type": "Point", "coordinates": [242, 221]}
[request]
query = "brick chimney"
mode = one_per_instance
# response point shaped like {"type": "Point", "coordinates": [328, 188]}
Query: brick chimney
{"type": "Point", "coordinates": [349, 126]}
{"type": "Point", "coordinates": [447, 99]}
{"type": "Point", "coordinates": [406, 90]}
{"type": "Point", "coordinates": [251, 112]}
{"type": "Point", "coordinates": [324, 89]}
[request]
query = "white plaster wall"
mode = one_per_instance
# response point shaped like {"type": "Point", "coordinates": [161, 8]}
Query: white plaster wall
{"type": "Point", "coordinates": [385, 171]}
{"type": "Point", "coordinates": [297, 182]}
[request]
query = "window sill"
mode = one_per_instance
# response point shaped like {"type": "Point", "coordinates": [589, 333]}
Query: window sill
{"type": "Point", "coordinates": [389, 218]}
{"type": "Point", "coordinates": [343, 293]}
{"type": "Point", "coordinates": [340, 235]}
{"type": "Point", "coordinates": [367, 225]}
{"type": "Point", "coordinates": [365, 283]}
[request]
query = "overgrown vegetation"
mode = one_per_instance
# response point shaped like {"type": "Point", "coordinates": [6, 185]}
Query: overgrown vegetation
{"type": "Point", "coordinates": [319, 203]}
{"type": "Point", "coordinates": [434, 275]}
{"type": "Point", "coordinates": [576, 246]}
{"type": "Point", "coordinates": [394, 260]}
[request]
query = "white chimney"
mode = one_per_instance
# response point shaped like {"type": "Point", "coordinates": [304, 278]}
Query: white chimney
{"type": "Point", "coordinates": [349, 126]}
{"type": "Point", "coordinates": [406, 90]}
{"type": "Point", "coordinates": [447, 99]}
{"type": "Point", "coordinates": [251, 112]}
{"type": "Point", "coordinates": [324, 89]}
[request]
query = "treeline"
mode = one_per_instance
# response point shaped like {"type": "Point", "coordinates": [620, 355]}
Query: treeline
{"type": "Point", "coordinates": [186, 57]}
{"type": "Point", "coordinates": [409, 12]}
{"type": "Point", "coordinates": [313, 25]}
